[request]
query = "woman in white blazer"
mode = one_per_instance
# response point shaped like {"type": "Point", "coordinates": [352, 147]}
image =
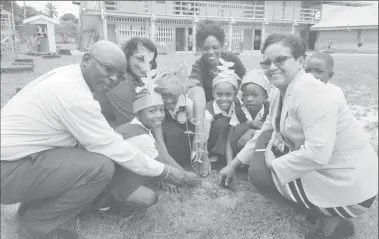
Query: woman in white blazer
{"type": "Point", "coordinates": [317, 156]}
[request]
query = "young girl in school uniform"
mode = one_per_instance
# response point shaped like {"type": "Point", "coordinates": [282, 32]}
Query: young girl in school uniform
{"type": "Point", "coordinates": [179, 124]}
{"type": "Point", "coordinates": [255, 91]}
{"type": "Point", "coordinates": [223, 111]}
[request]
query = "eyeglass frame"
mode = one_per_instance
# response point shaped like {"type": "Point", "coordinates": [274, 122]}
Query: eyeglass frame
{"type": "Point", "coordinates": [275, 61]}
{"type": "Point", "coordinates": [106, 66]}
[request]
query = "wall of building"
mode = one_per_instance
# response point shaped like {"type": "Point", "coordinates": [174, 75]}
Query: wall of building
{"type": "Point", "coordinates": [346, 41]}
{"type": "Point", "coordinates": [90, 23]}
{"type": "Point", "coordinates": [277, 10]}
{"type": "Point", "coordinates": [282, 10]}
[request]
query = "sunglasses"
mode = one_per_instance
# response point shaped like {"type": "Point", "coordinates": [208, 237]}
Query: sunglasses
{"type": "Point", "coordinates": [108, 68]}
{"type": "Point", "coordinates": [278, 61]}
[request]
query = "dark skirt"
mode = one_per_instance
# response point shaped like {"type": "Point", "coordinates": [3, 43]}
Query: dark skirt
{"type": "Point", "coordinates": [176, 140]}
{"type": "Point", "coordinates": [218, 135]}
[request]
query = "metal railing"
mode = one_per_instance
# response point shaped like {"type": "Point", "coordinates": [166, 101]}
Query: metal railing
{"type": "Point", "coordinates": [309, 14]}
{"type": "Point", "coordinates": [236, 9]}
{"type": "Point", "coordinates": [219, 9]}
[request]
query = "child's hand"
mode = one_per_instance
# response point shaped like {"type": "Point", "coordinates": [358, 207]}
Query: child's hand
{"type": "Point", "coordinates": [258, 124]}
{"type": "Point", "coordinates": [245, 137]}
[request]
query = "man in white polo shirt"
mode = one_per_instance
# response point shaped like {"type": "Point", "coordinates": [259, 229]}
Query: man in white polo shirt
{"type": "Point", "coordinates": [40, 129]}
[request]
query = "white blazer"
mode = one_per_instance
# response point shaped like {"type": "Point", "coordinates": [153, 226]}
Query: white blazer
{"type": "Point", "coordinates": [330, 150]}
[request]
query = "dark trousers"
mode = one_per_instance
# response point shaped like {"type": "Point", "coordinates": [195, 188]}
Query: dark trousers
{"type": "Point", "coordinates": [57, 184]}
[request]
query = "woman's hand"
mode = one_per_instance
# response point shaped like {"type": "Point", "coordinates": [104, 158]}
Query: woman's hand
{"type": "Point", "coordinates": [227, 175]}
{"type": "Point", "coordinates": [269, 155]}
{"type": "Point", "coordinates": [245, 138]}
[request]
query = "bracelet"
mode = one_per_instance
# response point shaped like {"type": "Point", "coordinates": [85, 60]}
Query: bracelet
{"type": "Point", "coordinates": [168, 170]}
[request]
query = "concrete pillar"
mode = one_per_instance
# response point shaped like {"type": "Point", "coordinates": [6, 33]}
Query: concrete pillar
{"type": "Point", "coordinates": [231, 22]}
{"type": "Point", "coordinates": [186, 39]}
{"type": "Point", "coordinates": [194, 26]}
{"type": "Point", "coordinates": [294, 25]}
{"type": "Point", "coordinates": [104, 20]}
{"type": "Point", "coordinates": [152, 27]}
{"type": "Point", "coordinates": [264, 31]}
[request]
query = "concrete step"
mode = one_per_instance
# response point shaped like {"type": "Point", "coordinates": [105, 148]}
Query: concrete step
{"type": "Point", "coordinates": [64, 52]}
{"type": "Point", "coordinates": [51, 56]}
{"type": "Point", "coordinates": [17, 68]}
{"type": "Point", "coordinates": [25, 60]}
{"type": "Point", "coordinates": [23, 64]}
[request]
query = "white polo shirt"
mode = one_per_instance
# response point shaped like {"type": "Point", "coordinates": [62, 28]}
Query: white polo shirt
{"type": "Point", "coordinates": [58, 110]}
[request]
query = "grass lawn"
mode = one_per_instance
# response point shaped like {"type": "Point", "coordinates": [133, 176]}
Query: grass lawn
{"type": "Point", "coordinates": [209, 211]}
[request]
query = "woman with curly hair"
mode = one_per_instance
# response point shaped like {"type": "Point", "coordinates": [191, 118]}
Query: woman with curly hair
{"type": "Point", "coordinates": [210, 39]}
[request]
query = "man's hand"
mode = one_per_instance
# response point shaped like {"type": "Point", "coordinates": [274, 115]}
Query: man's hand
{"type": "Point", "coordinates": [227, 175]}
{"type": "Point", "coordinates": [245, 138]}
{"type": "Point", "coordinates": [167, 186]}
{"type": "Point", "coordinates": [173, 175]}
{"type": "Point", "coordinates": [192, 179]}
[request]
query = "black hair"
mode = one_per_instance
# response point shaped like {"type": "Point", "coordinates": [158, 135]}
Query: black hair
{"type": "Point", "coordinates": [132, 45]}
{"type": "Point", "coordinates": [297, 45]}
{"type": "Point", "coordinates": [209, 29]}
{"type": "Point", "coordinates": [324, 56]}
{"type": "Point", "coordinates": [243, 87]}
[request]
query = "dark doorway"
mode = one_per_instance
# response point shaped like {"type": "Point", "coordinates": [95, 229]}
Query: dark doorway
{"type": "Point", "coordinates": [190, 39]}
{"type": "Point", "coordinates": [257, 39]}
{"type": "Point", "coordinates": [180, 38]}
{"type": "Point", "coordinates": [312, 40]}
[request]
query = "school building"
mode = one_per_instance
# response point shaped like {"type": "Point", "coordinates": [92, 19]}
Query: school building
{"type": "Point", "coordinates": [348, 28]}
{"type": "Point", "coordinates": [172, 24]}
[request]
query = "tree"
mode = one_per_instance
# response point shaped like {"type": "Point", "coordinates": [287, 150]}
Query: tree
{"type": "Point", "coordinates": [69, 17]}
{"type": "Point", "coordinates": [66, 29]}
{"type": "Point", "coordinates": [19, 11]}
{"type": "Point", "coordinates": [30, 11]}
{"type": "Point", "coordinates": [50, 10]}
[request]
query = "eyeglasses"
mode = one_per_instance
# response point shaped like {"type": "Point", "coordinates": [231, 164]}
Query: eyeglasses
{"type": "Point", "coordinates": [141, 59]}
{"type": "Point", "coordinates": [278, 61]}
{"type": "Point", "coordinates": [317, 70]}
{"type": "Point", "coordinates": [108, 68]}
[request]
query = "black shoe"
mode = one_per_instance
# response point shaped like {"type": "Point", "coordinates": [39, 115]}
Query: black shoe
{"type": "Point", "coordinates": [22, 209]}
{"type": "Point", "coordinates": [344, 229]}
